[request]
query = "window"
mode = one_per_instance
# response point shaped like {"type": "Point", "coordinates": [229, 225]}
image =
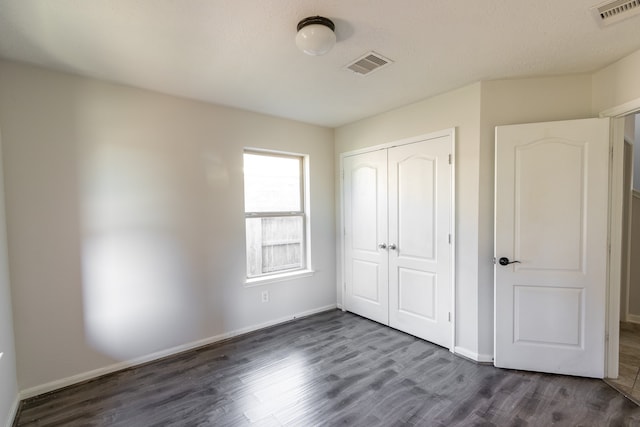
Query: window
{"type": "Point", "coordinates": [275, 219]}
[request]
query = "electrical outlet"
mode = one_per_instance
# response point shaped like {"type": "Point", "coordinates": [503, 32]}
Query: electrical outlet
{"type": "Point", "coordinates": [265, 296]}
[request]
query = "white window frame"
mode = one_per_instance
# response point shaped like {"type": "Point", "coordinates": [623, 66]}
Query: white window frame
{"type": "Point", "coordinates": [305, 270]}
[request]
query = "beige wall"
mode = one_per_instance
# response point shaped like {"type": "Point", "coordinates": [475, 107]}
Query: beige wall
{"type": "Point", "coordinates": [125, 221]}
{"type": "Point", "coordinates": [8, 374]}
{"type": "Point", "coordinates": [634, 266]}
{"type": "Point", "coordinates": [458, 109]}
{"type": "Point", "coordinates": [633, 302]}
{"type": "Point", "coordinates": [616, 84]}
{"type": "Point", "coordinates": [636, 149]}
{"type": "Point", "coordinates": [630, 128]}
{"type": "Point", "coordinates": [506, 102]}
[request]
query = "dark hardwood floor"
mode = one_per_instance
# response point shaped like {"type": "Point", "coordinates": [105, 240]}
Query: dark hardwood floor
{"type": "Point", "coordinates": [330, 369]}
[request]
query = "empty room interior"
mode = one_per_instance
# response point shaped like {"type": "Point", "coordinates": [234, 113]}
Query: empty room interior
{"type": "Point", "coordinates": [303, 213]}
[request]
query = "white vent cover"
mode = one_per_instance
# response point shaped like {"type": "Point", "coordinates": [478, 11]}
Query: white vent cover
{"type": "Point", "coordinates": [614, 11]}
{"type": "Point", "coordinates": [369, 62]}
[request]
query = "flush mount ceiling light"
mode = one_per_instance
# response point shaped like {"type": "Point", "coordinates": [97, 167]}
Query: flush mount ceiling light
{"type": "Point", "coordinates": [316, 35]}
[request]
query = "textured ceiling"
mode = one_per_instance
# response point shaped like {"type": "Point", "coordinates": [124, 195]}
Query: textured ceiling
{"type": "Point", "coordinates": [241, 53]}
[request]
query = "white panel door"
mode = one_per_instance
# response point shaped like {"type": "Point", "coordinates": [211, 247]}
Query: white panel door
{"type": "Point", "coordinates": [365, 220]}
{"type": "Point", "coordinates": [419, 249]}
{"type": "Point", "coordinates": [551, 222]}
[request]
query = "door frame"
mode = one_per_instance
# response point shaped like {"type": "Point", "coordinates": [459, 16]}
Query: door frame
{"type": "Point", "coordinates": [342, 283]}
{"type": "Point", "coordinates": [626, 218]}
{"type": "Point", "coordinates": [616, 212]}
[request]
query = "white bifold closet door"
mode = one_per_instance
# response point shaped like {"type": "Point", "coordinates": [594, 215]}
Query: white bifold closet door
{"type": "Point", "coordinates": [366, 261]}
{"type": "Point", "coordinates": [397, 217]}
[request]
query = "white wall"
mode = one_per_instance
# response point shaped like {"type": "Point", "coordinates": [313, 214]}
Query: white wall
{"type": "Point", "coordinates": [8, 378]}
{"type": "Point", "coordinates": [125, 221]}
{"type": "Point", "coordinates": [460, 109]}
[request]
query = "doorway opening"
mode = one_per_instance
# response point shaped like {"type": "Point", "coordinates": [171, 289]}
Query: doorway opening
{"type": "Point", "coordinates": [628, 380]}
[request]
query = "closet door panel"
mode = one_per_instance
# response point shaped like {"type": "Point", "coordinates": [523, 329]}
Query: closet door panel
{"type": "Point", "coordinates": [365, 215]}
{"type": "Point", "coordinates": [419, 228]}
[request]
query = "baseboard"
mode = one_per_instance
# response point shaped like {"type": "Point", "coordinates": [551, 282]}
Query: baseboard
{"type": "Point", "coordinates": [485, 358]}
{"type": "Point", "coordinates": [633, 318]}
{"type": "Point", "coordinates": [85, 376]}
{"type": "Point", "coordinates": [13, 412]}
{"type": "Point", "coordinates": [473, 356]}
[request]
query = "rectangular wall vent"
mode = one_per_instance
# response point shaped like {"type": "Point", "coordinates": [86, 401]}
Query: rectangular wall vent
{"type": "Point", "coordinates": [611, 12]}
{"type": "Point", "coordinates": [368, 63]}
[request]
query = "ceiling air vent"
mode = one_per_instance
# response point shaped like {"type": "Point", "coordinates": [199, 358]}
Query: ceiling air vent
{"type": "Point", "coordinates": [369, 63]}
{"type": "Point", "coordinates": [611, 12]}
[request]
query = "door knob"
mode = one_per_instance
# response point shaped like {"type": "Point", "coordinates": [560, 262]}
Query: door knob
{"type": "Point", "coordinates": [382, 246]}
{"type": "Point", "coordinates": [505, 261]}
{"type": "Point", "coordinates": [392, 247]}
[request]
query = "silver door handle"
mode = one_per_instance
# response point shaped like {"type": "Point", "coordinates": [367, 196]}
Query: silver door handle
{"type": "Point", "coordinates": [382, 246]}
{"type": "Point", "coordinates": [392, 247]}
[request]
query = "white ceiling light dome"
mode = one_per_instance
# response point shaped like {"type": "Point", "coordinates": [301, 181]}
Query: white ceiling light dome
{"type": "Point", "coordinates": [316, 35]}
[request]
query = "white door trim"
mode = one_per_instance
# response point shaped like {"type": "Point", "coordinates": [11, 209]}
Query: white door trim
{"type": "Point", "coordinates": [628, 194]}
{"type": "Point", "coordinates": [438, 134]}
{"type": "Point", "coordinates": [622, 110]}
{"type": "Point", "coordinates": [616, 213]}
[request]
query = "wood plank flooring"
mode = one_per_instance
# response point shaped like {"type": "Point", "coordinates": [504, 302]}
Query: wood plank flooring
{"type": "Point", "coordinates": [330, 369]}
{"type": "Point", "coordinates": [629, 366]}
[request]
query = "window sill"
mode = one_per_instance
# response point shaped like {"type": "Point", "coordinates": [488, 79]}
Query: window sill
{"type": "Point", "coordinates": [257, 281]}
